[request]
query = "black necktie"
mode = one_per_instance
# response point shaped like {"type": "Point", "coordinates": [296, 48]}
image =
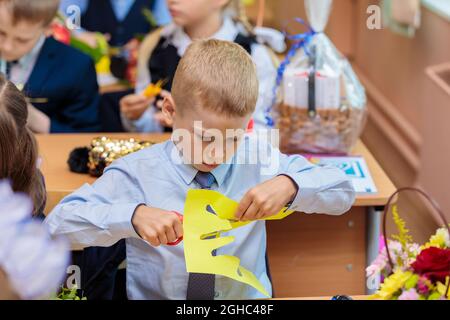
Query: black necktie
{"type": "Point", "coordinates": [202, 286]}
{"type": "Point", "coordinates": [9, 65]}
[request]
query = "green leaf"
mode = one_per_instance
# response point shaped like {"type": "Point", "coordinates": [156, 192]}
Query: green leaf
{"type": "Point", "coordinates": [94, 53]}
{"type": "Point", "coordinates": [148, 14]}
{"type": "Point", "coordinates": [69, 294]}
{"type": "Point", "coordinates": [411, 282]}
{"type": "Point", "coordinates": [434, 296]}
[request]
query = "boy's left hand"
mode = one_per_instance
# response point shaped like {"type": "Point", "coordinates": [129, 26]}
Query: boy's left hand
{"type": "Point", "coordinates": [266, 199]}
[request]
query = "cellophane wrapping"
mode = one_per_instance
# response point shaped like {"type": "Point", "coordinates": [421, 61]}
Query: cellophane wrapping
{"type": "Point", "coordinates": [321, 104]}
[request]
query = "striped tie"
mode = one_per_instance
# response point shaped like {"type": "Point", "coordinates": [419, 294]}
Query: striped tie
{"type": "Point", "coordinates": [202, 286]}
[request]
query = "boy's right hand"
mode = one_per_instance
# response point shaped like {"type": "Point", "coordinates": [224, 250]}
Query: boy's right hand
{"type": "Point", "coordinates": [157, 227]}
{"type": "Point", "coordinates": [133, 106]}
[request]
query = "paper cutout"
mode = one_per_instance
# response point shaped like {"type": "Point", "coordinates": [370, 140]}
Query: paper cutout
{"type": "Point", "coordinates": [209, 213]}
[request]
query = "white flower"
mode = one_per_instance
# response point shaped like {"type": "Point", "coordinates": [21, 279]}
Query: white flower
{"type": "Point", "coordinates": [443, 232]}
{"type": "Point", "coordinates": [395, 246]}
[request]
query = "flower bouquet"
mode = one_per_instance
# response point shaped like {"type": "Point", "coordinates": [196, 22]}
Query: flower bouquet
{"type": "Point", "coordinates": [63, 34]}
{"type": "Point", "coordinates": [121, 62]}
{"type": "Point", "coordinates": [407, 270]}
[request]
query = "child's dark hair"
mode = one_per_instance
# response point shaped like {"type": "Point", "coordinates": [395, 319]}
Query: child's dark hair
{"type": "Point", "coordinates": [18, 147]}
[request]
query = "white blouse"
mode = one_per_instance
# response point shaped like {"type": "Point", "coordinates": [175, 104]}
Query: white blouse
{"type": "Point", "coordinates": [266, 69]}
{"type": "Point", "coordinates": [34, 263]}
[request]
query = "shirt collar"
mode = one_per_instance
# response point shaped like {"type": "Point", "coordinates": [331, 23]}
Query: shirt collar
{"type": "Point", "coordinates": [228, 32]}
{"type": "Point", "coordinates": [188, 172]}
{"type": "Point", "coordinates": [33, 54]}
{"type": "Point", "coordinates": [221, 172]}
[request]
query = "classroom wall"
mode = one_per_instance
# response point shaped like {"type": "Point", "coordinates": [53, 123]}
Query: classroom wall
{"type": "Point", "coordinates": [434, 175]}
{"type": "Point", "coordinates": [406, 107]}
{"type": "Point", "coordinates": [407, 130]}
{"type": "Point", "coordinates": [280, 14]}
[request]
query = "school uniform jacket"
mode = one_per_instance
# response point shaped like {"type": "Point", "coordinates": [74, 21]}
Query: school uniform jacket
{"type": "Point", "coordinates": [63, 85]}
{"type": "Point", "coordinates": [100, 17]}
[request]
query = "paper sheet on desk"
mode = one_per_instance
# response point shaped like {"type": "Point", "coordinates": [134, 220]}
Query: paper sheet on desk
{"type": "Point", "coordinates": [209, 212]}
{"type": "Point", "coordinates": [354, 167]}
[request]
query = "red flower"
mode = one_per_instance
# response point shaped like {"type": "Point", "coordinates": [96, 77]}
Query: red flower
{"type": "Point", "coordinates": [61, 33]}
{"type": "Point", "coordinates": [433, 263]}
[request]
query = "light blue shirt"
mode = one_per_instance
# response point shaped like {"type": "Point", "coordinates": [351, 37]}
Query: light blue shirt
{"type": "Point", "coordinates": [101, 214]}
{"type": "Point", "coordinates": [122, 7]}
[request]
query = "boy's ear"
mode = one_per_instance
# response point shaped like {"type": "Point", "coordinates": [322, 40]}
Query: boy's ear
{"type": "Point", "coordinates": [48, 31]}
{"type": "Point", "coordinates": [169, 108]}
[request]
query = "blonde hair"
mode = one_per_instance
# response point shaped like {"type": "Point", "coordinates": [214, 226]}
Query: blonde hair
{"type": "Point", "coordinates": [217, 75]}
{"type": "Point", "coordinates": [34, 11]}
{"type": "Point", "coordinates": [240, 15]}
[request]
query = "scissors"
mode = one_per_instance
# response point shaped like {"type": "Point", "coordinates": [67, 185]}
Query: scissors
{"type": "Point", "coordinates": [178, 241]}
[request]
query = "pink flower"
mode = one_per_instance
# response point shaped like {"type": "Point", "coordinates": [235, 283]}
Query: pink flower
{"type": "Point", "coordinates": [378, 265]}
{"type": "Point", "coordinates": [411, 294]}
{"type": "Point", "coordinates": [381, 244]}
{"type": "Point", "coordinates": [422, 286]}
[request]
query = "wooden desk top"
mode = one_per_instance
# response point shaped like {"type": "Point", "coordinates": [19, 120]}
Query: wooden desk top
{"type": "Point", "coordinates": [361, 298]}
{"type": "Point", "coordinates": [55, 150]}
{"type": "Point", "coordinates": [111, 88]}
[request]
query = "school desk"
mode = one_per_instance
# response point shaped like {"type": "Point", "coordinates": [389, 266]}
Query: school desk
{"type": "Point", "coordinates": [309, 255]}
{"type": "Point", "coordinates": [357, 298]}
{"type": "Point", "coordinates": [114, 87]}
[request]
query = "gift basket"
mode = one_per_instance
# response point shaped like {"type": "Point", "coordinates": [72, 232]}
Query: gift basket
{"type": "Point", "coordinates": [407, 270]}
{"type": "Point", "coordinates": [320, 104]}
{"type": "Point", "coordinates": [101, 153]}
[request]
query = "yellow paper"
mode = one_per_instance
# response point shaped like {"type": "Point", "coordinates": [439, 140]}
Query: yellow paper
{"type": "Point", "coordinates": [200, 224]}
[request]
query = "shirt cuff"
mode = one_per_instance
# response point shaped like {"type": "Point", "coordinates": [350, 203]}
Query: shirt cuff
{"type": "Point", "coordinates": [305, 193]}
{"type": "Point", "coordinates": [120, 220]}
{"type": "Point", "coordinates": [147, 123]}
{"type": "Point", "coordinates": [289, 204]}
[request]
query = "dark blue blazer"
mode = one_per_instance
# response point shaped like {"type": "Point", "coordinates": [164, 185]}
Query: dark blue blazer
{"type": "Point", "coordinates": [100, 17]}
{"type": "Point", "coordinates": [63, 85]}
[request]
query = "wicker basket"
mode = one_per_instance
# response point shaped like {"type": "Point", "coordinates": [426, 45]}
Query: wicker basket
{"type": "Point", "coordinates": [386, 212]}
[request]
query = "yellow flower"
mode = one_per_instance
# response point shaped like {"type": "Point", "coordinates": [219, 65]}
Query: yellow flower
{"type": "Point", "coordinates": [104, 65]}
{"type": "Point", "coordinates": [248, 2]}
{"type": "Point", "coordinates": [403, 233]}
{"type": "Point", "coordinates": [439, 240]}
{"type": "Point", "coordinates": [154, 89]}
{"type": "Point", "coordinates": [441, 288]}
{"type": "Point", "coordinates": [392, 285]}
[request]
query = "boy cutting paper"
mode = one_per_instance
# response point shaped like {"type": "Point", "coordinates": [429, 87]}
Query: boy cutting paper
{"type": "Point", "coordinates": [214, 94]}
